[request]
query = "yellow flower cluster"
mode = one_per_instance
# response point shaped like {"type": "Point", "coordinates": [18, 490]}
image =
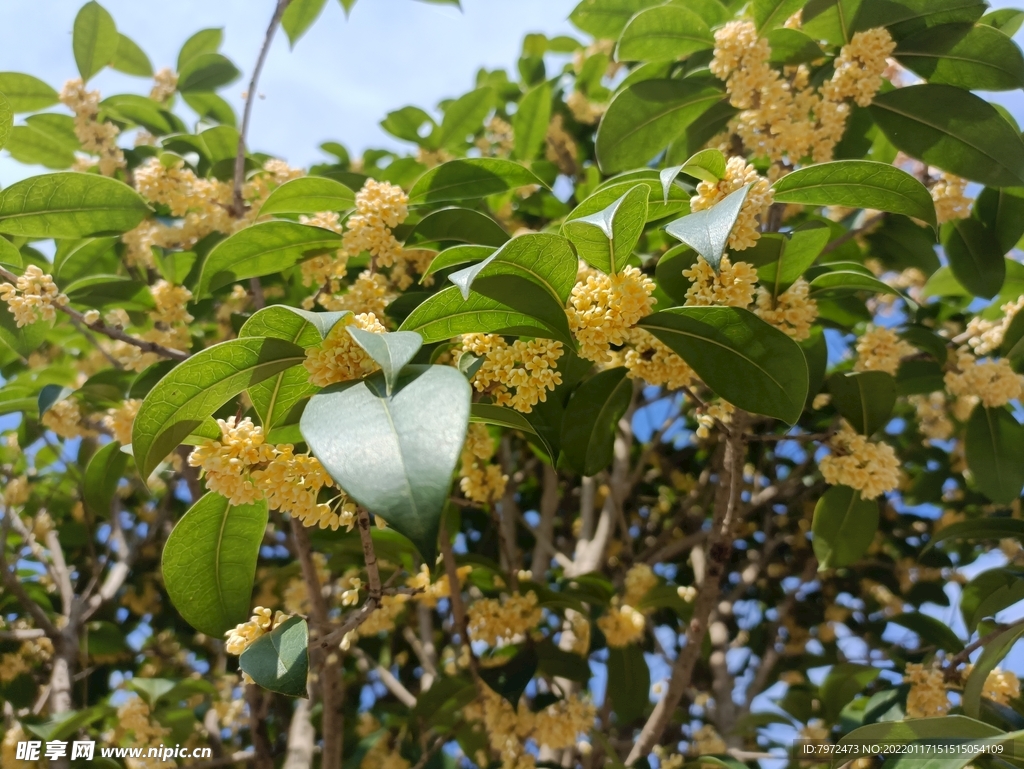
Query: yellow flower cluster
{"type": "Point", "coordinates": [482, 481]}
{"type": "Point", "coordinates": [860, 66]}
{"type": "Point", "coordinates": [33, 297]}
{"type": "Point", "coordinates": [382, 620]}
{"type": "Point", "coordinates": [291, 483]}
{"type": "Point", "coordinates": [1000, 686]}
{"type": "Point", "coordinates": [383, 756]}
{"type": "Point", "coordinates": [792, 312]}
{"type": "Point", "coordinates": [97, 138]}
{"type": "Point", "coordinates": [380, 207]}
{"type": "Point", "coordinates": [134, 718]}
{"type": "Point", "coordinates": [951, 202]}
{"type": "Point", "coordinates": [560, 147]}
{"type": "Point", "coordinates": [227, 464]}
{"type": "Point", "coordinates": [262, 622]}
{"type": "Point", "coordinates": [583, 109]}
{"type": "Point", "coordinates": [338, 358]}
{"type": "Point", "coordinates": [517, 374]}
{"type": "Point", "coordinates": [622, 625]}
{"type": "Point", "coordinates": [992, 382]}
{"type": "Point", "coordinates": [498, 139]}
{"type": "Point", "coordinates": [603, 308]}
{"type": "Point", "coordinates": [932, 418]}
{"type": "Point", "coordinates": [652, 361]}
{"type": "Point", "coordinates": [881, 349]}
{"type": "Point", "coordinates": [165, 83]}
{"type": "Point", "coordinates": [170, 301]}
{"type": "Point", "coordinates": [492, 620]}
{"type": "Point", "coordinates": [871, 468]}
{"type": "Point", "coordinates": [732, 286]}
{"type": "Point", "coordinates": [559, 724]}
{"type": "Point", "coordinates": [640, 579]}
{"type": "Point", "coordinates": [65, 419]}
{"type": "Point", "coordinates": [433, 591]}
{"type": "Point", "coordinates": [987, 336]}
{"type": "Point", "coordinates": [12, 665]}
{"type": "Point", "coordinates": [9, 748]}
{"type": "Point", "coordinates": [927, 697]}
{"type": "Point", "coordinates": [719, 411]}
{"type": "Point", "coordinates": [119, 420]}
{"type": "Point", "coordinates": [296, 592]}
{"type": "Point", "coordinates": [738, 174]}
{"type": "Point", "coordinates": [17, 491]}
{"type": "Point", "coordinates": [369, 294]}
{"type": "Point", "coordinates": [707, 741]}
{"type": "Point", "coordinates": [146, 601]}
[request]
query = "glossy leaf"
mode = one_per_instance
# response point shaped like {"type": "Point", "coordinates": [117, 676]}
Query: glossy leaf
{"type": "Point", "coordinates": [930, 630]}
{"type": "Point", "coordinates": [954, 130]}
{"type": "Point", "coordinates": [994, 447]}
{"type": "Point", "coordinates": [1002, 212]}
{"type": "Point", "coordinates": [970, 56]}
{"type": "Point", "coordinates": [606, 18]}
{"type": "Point", "coordinates": [989, 593]}
{"type": "Point", "coordinates": [470, 179]}
{"type": "Point", "coordinates": [606, 239]}
{"type": "Point", "coordinates": [864, 398]}
{"type": "Point", "coordinates": [26, 93]}
{"type": "Point", "coordinates": [309, 195]}
{"type": "Point", "coordinates": [463, 117]}
{"type": "Point", "coordinates": [647, 116]}
{"type": "Point", "coordinates": [506, 304]}
{"type": "Point", "coordinates": [9, 255]}
{"type": "Point", "coordinates": [706, 165]}
{"type": "Point", "coordinates": [707, 232]}
{"type": "Point", "coordinates": [769, 14]}
{"type": "Point", "coordinates": [459, 224]}
{"type": "Point", "coordinates": [279, 660]}
{"type": "Point", "coordinates": [94, 39]}
{"type": "Point", "coordinates": [102, 475]}
{"type": "Point", "coordinates": [209, 562]}
{"type": "Point", "coordinates": [511, 679]}
{"type": "Point", "coordinates": [203, 41]}
{"type": "Point", "coordinates": [262, 249]}
{"type": "Point", "coordinates": [546, 259]}
{"type": "Point", "coordinates": [798, 252]}
{"type": "Point", "coordinates": [741, 358]}
{"type": "Point", "coordinates": [391, 351]}
{"type": "Point", "coordinates": [299, 16]}
{"type": "Point", "coordinates": [206, 72]}
{"type": "Point", "coordinates": [629, 682]}
{"type": "Point", "coordinates": [844, 682]}
{"type": "Point", "coordinates": [994, 651]}
{"type": "Point", "coordinates": [979, 528]}
{"type": "Point", "coordinates": [131, 59]}
{"type": "Point", "coordinates": [591, 418]}
{"type": "Point", "coordinates": [663, 32]}
{"type": "Point", "coordinates": [196, 388]}
{"type": "Point", "coordinates": [842, 282]}
{"type": "Point", "coordinates": [857, 184]}
{"type": "Point", "coordinates": [843, 528]}
{"type": "Point", "coordinates": [458, 255]}
{"type": "Point", "coordinates": [657, 208]}
{"type": "Point", "coordinates": [530, 123]}
{"type": "Point", "coordinates": [25, 340]}
{"type": "Point", "coordinates": [388, 452]}
{"type": "Point", "coordinates": [975, 257]}
{"type": "Point", "coordinates": [791, 47]}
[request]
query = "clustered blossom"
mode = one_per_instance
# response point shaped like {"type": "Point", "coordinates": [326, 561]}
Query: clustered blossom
{"type": "Point", "coordinates": [262, 622]}
{"type": "Point", "coordinates": [871, 468]}
{"type": "Point", "coordinates": [781, 116]}
{"type": "Point", "coordinates": [707, 741]}
{"type": "Point", "coordinates": [951, 202]}
{"type": "Point", "coordinates": [623, 624]}
{"type": "Point", "coordinates": [560, 147]}
{"type": "Point", "coordinates": [992, 382]}
{"type": "Point", "coordinates": [731, 286]}
{"type": "Point", "coordinates": [604, 308]}
{"type": "Point", "coordinates": [881, 349]}
{"type": "Point", "coordinates": [498, 139]}
{"type": "Point", "coordinates": [650, 360]}
{"type": "Point", "coordinates": [97, 138]}
{"type": "Point", "coordinates": [482, 481]}
{"type": "Point", "coordinates": [165, 83]}
{"type": "Point", "coordinates": [707, 418]}
{"type": "Point", "coordinates": [492, 621]}
{"type": "Point", "coordinates": [738, 174]}
{"type": "Point", "coordinates": [134, 718]}
{"type": "Point", "coordinates": [339, 358]}
{"type": "Point", "coordinates": [434, 591]}
{"type": "Point", "coordinates": [33, 297]}
{"type": "Point", "coordinates": [380, 207]}
{"type": "Point", "coordinates": [932, 416]}
{"type": "Point", "coordinates": [584, 110]}
{"type": "Point", "coordinates": [986, 336]}
{"type": "Point", "coordinates": [370, 294]}
{"type": "Point", "coordinates": [120, 420]}
{"type": "Point", "coordinates": [927, 697]}
{"type": "Point", "coordinates": [517, 374]}
{"type": "Point", "coordinates": [64, 418]}
{"type": "Point", "coordinates": [792, 311]}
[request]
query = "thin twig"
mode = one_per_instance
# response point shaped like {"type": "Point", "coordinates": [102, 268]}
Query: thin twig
{"type": "Point", "coordinates": [13, 584]}
{"type": "Point", "coordinates": [845, 238]}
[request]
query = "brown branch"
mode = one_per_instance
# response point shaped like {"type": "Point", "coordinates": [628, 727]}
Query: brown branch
{"type": "Point", "coordinates": [238, 204]}
{"type": "Point", "coordinates": [369, 556]}
{"type": "Point", "coordinates": [949, 669]}
{"type": "Point", "coordinates": [13, 584]}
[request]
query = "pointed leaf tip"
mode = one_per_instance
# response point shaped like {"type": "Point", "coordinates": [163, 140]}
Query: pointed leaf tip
{"type": "Point", "coordinates": [391, 351]}
{"type": "Point", "coordinates": [707, 232]}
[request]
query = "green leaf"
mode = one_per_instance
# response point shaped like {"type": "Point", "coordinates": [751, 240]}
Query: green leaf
{"type": "Point", "coordinates": [843, 282]}
{"type": "Point", "coordinates": [557, 662]}
{"type": "Point", "coordinates": [994, 651]}
{"type": "Point", "coordinates": [530, 123]}
{"type": "Point", "coordinates": [606, 18]}
{"type": "Point", "coordinates": [979, 528]}
{"type": "Point", "coordinates": [463, 117]}
{"type": "Point", "coordinates": [488, 413]}
{"type": "Point", "coordinates": [511, 679]}
{"type": "Point", "coordinates": [47, 140]}
{"type": "Point", "coordinates": [930, 630]}
{"type": "Point", "coordinates": [131, 59]}
{"type": "Point", "coordinates": [309, 195]}
{"type": "Point", "coordinates": [591, 419]}
{"type": "Point", "coordinates": [210, 106]}
{"type": "Point", "coordinates": [544, 258]}
{"type": "Point", "coordinates": [844, 526]}
{"type": "Point", "coordinates": [406, 123]}
{"type": "Point", "coordinates": [957, 729]}
{"type": "Point", "coordinates": [470, 179]}
{"type": "Point", "coordinates": [954, 130]}
{"type": "Point", "coordinates": [741, 358]}
{"type": "Point", "coordinates": [678, 199]}
{"type": "Point", "coordinates": [707, 232]}
{"type": "Point", "coordinates": [988, 594]}
{"type": "Point", "coordinates": [69, 205]}
{"type": "Point", "coordinates": [969, 56]}
{"type": "Point", "coordinates": [769, 14]}
{"type": "Point", "coordinates": [791, 47]}
{"type": "Point", "coordinates": [9, 255]}
{"type": "Point", "coordinates": [299, 16]}
{"type": "Point", "coordinates": [279, 660]}
{"type": "Point", "coordinates": [975, 257]}
{"type": "Point", "coordinates": [206, 72]}
{"type": "Point", "coordinates": [203, 41]}
{"type": "Point", "coordinates": [644, 118]}
{"type": "Point", "coordinates": [799, 251]}
{"type": "Point", "coordinates": [456, 255]}
{"type": "Point", "coordinates": [706, 165]}
{"type": "Point", "coordinates": [25, 340]}
{"type": "Point", "coordinates": [606, 239]}
{"type": "Point", "coordinates": [262, 249]}
{"type": "Point", "coordinates": [402, 469]}
{"type": "Point", "coordinates": [864, 398]}
{"type": "Point", "coordinates": [102, 475]}
{"type": "Point", "coordinates": [629, 682]}
{"type": "Point", "coordinates": [209, 562]}
{"type": "Point", "coordinates": [94, 39]}
{"type": "Point", "coordinates": [858, 184]}
{"type": "Point", "coordinates": [994, 447]}
{"type": "Point", "coordinates": [1002, 211]}
{"type": "Point", "coordinates": [664, 32]}
{"type": "Point", "coordinates": [459, 224]}
{"type": "Point", "coordinates": [505, 304]}
{"type": "Point", "coordinates": [844, 682]}
{"type": "Point", "coordinates": [6, 120]}
{"type": "Point", "coordinates": [26, 93]}
{"type": "Point", "coordinates": [1006, 20]}
{"type": "Point", "coordinates": [196, 388]}
{"type": "Point", "coordinates": [391, 351]}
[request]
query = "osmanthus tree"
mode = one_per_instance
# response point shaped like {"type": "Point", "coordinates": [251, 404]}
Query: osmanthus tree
{"type": "Point", "coordinates": [642, 413]}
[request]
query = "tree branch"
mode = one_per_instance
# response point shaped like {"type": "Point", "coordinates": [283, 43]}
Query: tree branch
{"type": "Point", "coordinates": [13, 584]}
